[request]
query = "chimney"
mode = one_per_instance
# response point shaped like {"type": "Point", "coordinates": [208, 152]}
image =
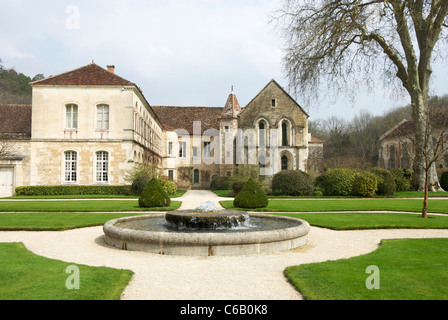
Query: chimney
{"type": "Point", "coordinates": [111, 69]}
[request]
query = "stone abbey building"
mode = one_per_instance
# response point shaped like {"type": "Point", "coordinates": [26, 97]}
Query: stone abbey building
{"type": "Point", "coordinates": [90, 126]}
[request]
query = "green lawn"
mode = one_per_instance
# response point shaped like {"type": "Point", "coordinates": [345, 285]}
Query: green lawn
{"type": "Point", "coordinates": [376, 204]}
{"type": "Point", "coordinates": [55, 221]}
{"type": "Point", "coordinates": [359, 221]}
{"type": "Point", "coordinates": [398, 194]}
{"type": "Point", "coordinates": [80, 206]}
{"type": "Point", "coordinates": [26, 276]}
{"type": "Point", "coordinates": [408, 270]}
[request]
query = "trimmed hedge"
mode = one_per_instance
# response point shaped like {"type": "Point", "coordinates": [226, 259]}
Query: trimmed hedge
{"type": "Point", "coordinates": [251, 196]}
{"type": "Point", "coordinates": [292, 183]}
{"type": "Point", "coordinates": [154, 196]}
{"type": "Point", "coordinates": [73, 190]}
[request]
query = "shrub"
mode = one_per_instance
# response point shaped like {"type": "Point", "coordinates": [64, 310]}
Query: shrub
{"type": "Point", "coordinates": [251, 196]}
{"type": "Point", "coordinates": [142, 170]}
{"type": "Point", "coordinates": [220, 183]}
{"type": "Point", "coordinates": [403, 179]}
{"type": "Point", "coordinates": [72, 190]}
{"type": "Point", "coordinates": [153, 195]}
{"type": "Point", "coordinates": [169, 186]}
{"type": "Point", "coordinates": [364, 184]}
{"type": "Point", "coordinates": [444, 180]}
{"type": "Point", "coordinates": [237, 187]}
{"type": "Point", "coordinates": [386, 181]}
{"type": "Point", "coordinates": [336, 182]}
{"type": "Point", "coordinates": [293, 183]}
{"type": "Point", "coordinates": [139, 184]}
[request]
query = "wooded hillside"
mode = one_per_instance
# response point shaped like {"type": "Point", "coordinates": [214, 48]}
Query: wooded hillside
{"type": "Point", "coordinates": [14, 86]}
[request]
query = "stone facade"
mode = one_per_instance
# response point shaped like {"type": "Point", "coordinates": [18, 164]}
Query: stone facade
{"type": "Point", "coordinates": [90, 126]}
{"type": "Point", "coordinates": [394, 155]}
{"type": "Point", "coordinates": [271, 132]}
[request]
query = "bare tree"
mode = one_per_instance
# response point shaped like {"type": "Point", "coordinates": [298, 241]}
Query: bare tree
{"type": "Point", "coordinates": [343, 42]}
{"type": "Point", "coordinates": [338, 140]}
{"type": "Point", "coordinates": [433, 149]}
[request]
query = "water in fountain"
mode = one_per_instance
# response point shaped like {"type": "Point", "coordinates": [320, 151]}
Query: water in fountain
{"type": "Point", "coordinates": [208, 217]}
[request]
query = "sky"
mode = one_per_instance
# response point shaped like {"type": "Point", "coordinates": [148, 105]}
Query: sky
{"type": "Point", "coordinates": [179, 52]}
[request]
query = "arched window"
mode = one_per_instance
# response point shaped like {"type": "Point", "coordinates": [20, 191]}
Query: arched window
{"type": "Point", "coordinates": [284, 133]}
{"type": "Point", "coordinates": [262, 161]}
{"type": "Point", "coordinates": [284, 163]}
{"type": "Point", "coordinates": [262, 134]}
{"type": "Point", "coordinates": [102, 166]}
{"type": "Point", "coordinates": [70, 166]}
{"type": "Point", "coordinates": [71, 116]}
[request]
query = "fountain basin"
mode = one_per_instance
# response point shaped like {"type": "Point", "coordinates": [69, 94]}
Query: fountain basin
{"type": "Point", "coordinates": [153, 234]}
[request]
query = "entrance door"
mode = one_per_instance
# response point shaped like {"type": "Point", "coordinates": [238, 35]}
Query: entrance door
{"type": "Point", "coordinates": [6, 182]}
{"type": "Point", "coordinates": [196, 176]}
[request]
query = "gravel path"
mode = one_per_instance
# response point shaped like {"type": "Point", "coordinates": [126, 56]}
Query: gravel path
{"type": "Point", "coordinates": [210, 278]}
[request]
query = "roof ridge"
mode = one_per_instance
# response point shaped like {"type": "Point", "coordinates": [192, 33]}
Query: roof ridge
{"type": "Point", "coordinates": [78, 81]}
{"type": "Point", "coordinates": [60, 74]}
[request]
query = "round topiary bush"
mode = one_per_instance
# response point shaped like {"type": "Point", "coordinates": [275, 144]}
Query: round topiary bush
{"type": "Point", "coordinates": [251, 196]}
{"type": "Point", "coordinates": [386, 182]}
{"type": "Point", "coordinates": [365, 184]}
{"type": "Point", "coordinates": [293, 183]}
{"type": "Point", "coordinates": [336, 182]}
{"type": "Point", "coordinates": [153, 195]}
{"type": "Point", "coordinates": [444, 180]}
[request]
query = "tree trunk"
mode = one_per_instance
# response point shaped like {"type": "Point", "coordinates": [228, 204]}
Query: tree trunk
{"type": "Point", "coordinates": [424, 153]}
{"type": "Point", "coordinates": [425, 200]}
{"type": "Point", "coordinates": [420, 116]}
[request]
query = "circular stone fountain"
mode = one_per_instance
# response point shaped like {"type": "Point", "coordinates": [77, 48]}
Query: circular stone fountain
{"type": "Point", "coordinates": [206, 231]}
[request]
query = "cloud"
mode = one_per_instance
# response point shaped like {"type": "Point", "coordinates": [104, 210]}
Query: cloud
{"type": "Point", "coordinates": [10, 52]}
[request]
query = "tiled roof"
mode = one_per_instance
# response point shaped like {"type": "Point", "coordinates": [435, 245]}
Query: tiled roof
{"type": "Point", "coordinates": [15, 121]}
{"type": "Point", "coordinates": [183, 117]}
{"type": "Point", "coordinates": [403, 128]}
{"type": "Point", "coordinates": [89, 75]}
{"type": "Point", "coordinates": [315, 140]}
{"type": "Point", "coordinates": [438, 120]}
